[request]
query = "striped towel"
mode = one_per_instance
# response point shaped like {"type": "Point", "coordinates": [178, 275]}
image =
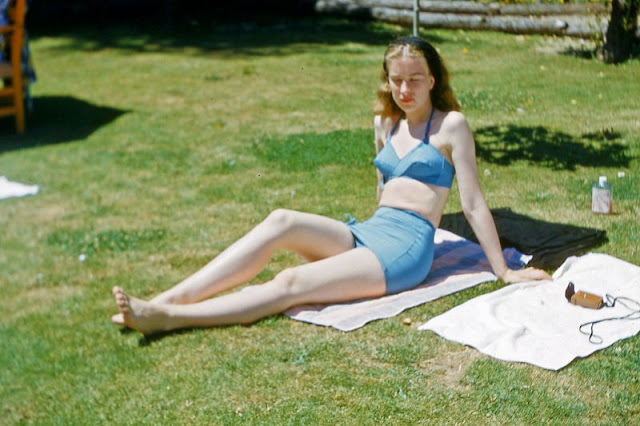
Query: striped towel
{"type": "Point", "coordinates": [458, 264]}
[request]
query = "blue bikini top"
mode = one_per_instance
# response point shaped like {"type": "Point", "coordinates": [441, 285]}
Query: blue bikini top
{"type": "Point", "coordinates": [423, 163]}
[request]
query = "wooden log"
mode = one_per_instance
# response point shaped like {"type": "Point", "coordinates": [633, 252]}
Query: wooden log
{"type": "Point", "coordinates": [345, 7]}
{"type": "Point", "coordinates": [542, 9]}
{"type": "Point", "coordinates": [576, 19]}
{"type": "Point", "coordinates": [468, 7]}
{"type": "Point", "coordinates": [493, 8]}
{"type": "Point", "coordinates": [560, 25]}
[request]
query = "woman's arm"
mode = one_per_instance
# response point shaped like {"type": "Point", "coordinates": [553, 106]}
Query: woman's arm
{"type": "Point", "coordinates": [473, 202]}
{"type": "Point", "coordinates": [379, 138]}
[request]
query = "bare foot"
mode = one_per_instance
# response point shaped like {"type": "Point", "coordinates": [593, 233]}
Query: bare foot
{"type": "Point", "coordinates": [118, 319]}
{"type": "Point", "coordinates": [146, 317]}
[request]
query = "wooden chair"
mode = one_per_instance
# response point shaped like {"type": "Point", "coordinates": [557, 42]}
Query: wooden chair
{"type": "Point", "coordinates": [11, 70]}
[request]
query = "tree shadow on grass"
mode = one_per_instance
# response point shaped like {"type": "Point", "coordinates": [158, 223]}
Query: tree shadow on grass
{"type": "Point", "coordinates": [56, 119]}
{"type": "Point", "coordinates": [591, 53]}
{"type": "Point", "coordinates": [250, 36]}
{"type": "Point", "coordinates": [504, 145]}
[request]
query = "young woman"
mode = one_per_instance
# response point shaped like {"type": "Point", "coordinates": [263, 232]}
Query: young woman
{"type": "Point", "coordinates": [422, 141]}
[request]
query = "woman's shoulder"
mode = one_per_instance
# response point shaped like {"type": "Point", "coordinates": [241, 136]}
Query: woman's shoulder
{"type": "Point", "coordinates": [453, 120]}
{"type": "Point", "coordinates": [382, 125]}
{"type": "Point", "coordinates": [383, 122]}
{"type": "Point", "coordinates": [456, 132]}
{"type": "Point", "coordinates": [455, 127]}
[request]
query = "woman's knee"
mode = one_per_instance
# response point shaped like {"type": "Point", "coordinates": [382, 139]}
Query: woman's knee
{"type": "Point", "coordinates": [287, 283]}
{"type": "Point", "coordinates": [279, 220]}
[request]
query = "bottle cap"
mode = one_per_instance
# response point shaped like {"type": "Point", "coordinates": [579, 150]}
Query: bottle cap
{"type": "Point", "coordinates": [602, 180]}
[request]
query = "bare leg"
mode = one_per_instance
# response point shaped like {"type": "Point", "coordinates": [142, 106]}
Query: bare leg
{"type": "Point", "coordinates": [354, 274]}
{"type": "Point", "coordinates": [312, 236]}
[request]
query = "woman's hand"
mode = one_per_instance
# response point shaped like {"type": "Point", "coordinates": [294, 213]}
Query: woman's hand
{"type": "Point", "coordinates": [526, 274]}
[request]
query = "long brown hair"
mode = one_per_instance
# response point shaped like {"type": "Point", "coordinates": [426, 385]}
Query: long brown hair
{"type": "Point", "coordinates": [442, 96]}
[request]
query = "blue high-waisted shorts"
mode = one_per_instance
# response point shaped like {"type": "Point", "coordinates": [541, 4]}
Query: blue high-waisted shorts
{"type": "Point", "coordinates": [403, 243]}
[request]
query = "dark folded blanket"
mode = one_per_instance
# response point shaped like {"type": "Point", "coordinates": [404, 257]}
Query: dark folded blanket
{"type": "Point", "coordinates": [549, 243]}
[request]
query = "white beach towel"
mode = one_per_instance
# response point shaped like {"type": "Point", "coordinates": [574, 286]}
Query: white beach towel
{"type": "Point", "coordinates": [534, 323]}
{"type": "Point", "coordinates": [15, 189]}
{"type": "Point", "coordinates": [458, 264]}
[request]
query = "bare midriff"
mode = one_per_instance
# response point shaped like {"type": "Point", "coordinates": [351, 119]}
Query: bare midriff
{"type": "Point", "coordinates": [408, 194]}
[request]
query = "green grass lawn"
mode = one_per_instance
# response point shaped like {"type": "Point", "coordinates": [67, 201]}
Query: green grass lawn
{"type": "Point", "coordinates": [154, 150]}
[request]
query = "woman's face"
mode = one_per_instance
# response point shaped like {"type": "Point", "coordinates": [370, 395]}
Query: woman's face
{"type": "Point", "coordinates": [411, 82]}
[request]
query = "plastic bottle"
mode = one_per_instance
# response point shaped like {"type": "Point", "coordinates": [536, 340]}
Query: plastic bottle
{"type": "Point", "coordinates": [601, 196]}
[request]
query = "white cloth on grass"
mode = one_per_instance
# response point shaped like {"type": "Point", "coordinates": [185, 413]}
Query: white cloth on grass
{"type": "Point", "coordinates": [534, 323]}
{"type": "Point", "coordinates": [15, 189]}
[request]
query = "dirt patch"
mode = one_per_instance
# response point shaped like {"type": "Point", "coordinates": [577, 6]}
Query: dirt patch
{"type": "Point", "coordinates": [567, 46]}
{"type": "Point", "coordinates": [35, 300]}
{"type": "Point", "coordinates": [450, 367]}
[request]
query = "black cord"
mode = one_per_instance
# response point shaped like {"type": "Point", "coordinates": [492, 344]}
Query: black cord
{"type": "Point", "coordinates": [610, 302]}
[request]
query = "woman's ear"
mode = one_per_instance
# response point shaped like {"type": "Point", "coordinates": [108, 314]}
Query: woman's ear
{"type": "Point", "coordinates": [432, 81]}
